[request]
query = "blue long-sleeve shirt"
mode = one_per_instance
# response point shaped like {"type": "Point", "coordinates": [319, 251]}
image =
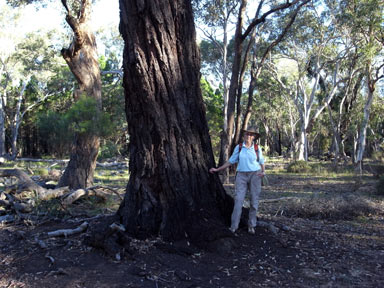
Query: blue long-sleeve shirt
{"type": "Point", "coordinates": [247, 159]}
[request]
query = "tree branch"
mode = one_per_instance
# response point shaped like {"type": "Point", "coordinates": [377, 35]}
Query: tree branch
{"type": "Point", "coordinates": [266, 14]}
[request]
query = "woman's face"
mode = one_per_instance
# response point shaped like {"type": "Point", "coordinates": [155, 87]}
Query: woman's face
{"type": "Point", "coordinates": [248, 136]}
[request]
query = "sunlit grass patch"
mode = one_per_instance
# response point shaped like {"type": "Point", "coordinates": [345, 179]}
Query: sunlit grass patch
{"type": "Point", "coordinates": [115, 178]}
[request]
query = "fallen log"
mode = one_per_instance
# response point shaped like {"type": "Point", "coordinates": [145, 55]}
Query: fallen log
{"type": "Point", "coordinates": [64, 161]}
{"type": "Point", "coordinates": [27, 184]}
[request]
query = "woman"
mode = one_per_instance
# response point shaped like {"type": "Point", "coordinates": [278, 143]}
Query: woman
{"type": "Point", "coordinates": [250, 171]}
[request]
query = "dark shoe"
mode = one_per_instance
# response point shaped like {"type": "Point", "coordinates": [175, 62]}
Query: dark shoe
{"type": "Point", "coordinates": [251, 230]}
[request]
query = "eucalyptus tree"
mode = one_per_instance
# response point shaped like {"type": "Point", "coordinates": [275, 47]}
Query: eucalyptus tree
{"type": "Point", "coordinates": [241, 34]}
{"type": "Point", "coordinates": [81, 58]}
{"type": "Point", "coordinates": [365, 18]}
{"type": "Point", "coordinates": [170, 191]}
{"type": "Point", "coordinates": [261, 49]}
{"type": "Point", "coordinates": [320, 60]}
{"type": "Point", "coordinates": [26, 64]}
{"type": "Point", "coordinates": [216, 18]}
{"type": "Point", "coordinates": [275, 115]}
{"type": "Point", "coordinates": [8, 42]}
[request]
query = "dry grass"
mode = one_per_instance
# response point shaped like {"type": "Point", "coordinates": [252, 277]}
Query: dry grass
{"type": "Point", "coordinates": [336, 207]}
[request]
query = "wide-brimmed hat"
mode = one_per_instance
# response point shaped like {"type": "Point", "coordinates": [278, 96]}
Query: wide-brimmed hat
{"type": "Point", "coordinates": [253, 130]}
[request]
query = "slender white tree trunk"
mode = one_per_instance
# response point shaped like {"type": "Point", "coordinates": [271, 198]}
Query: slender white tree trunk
{"type": "Point", "coordinates": [302, 143]}
{"type": "Point", "coordinates": [364, 125]}
{"type": "Point", "coordinates": [2, 125]}
{"type": "Point", "coordinates": [3, 104]}
{"type": "Point", "coordinates": [17, 121]}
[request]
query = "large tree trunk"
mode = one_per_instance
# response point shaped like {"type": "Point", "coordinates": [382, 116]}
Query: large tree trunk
{"type": "Point", "coordinates": [81, 57]}
{"type": "Point", "coordinates": [170, 191]}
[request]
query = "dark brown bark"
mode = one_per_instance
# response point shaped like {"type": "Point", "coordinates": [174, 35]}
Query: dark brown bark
{"type": "Point", "coordinates": [81, 57]}
{"type": "Point", "coordinates": [170, 191]}
{"type": "Point", "coordinates": [80, 169]}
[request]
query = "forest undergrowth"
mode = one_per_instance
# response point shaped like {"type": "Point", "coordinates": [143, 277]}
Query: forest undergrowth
{"type": "Point", "coordinates": [328, 231]}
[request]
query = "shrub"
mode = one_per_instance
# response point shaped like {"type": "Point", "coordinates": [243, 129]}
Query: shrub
{"type": "Point", "coordinates": [380, 186]}
{"type": "Point", "coordinates": [108, 150]}
{"type": "Point", "coordinates": [84, 118]}
{"type": "Point", "coordinates": [378, 156]}
{"type": "Point", "coordinates": [54, 132]}
{"type": "Point", "coordinates": [318, 168]}
{"type": "Point", "coordinates": [300, 166]}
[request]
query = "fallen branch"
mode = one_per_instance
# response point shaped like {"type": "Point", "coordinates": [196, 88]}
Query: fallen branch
{"type": "Point", "coordinates": [72, 197]}
{"type": "Point", "coordinates": [42, 160]}
{"type": "Point", "coordinates": [54, 193]}
{"type": "Point", "coordinates": [272, 228]}
{"type": "Point", "coordinates": [278, 199]}
{"type": "Point", "coordinates": [6, 219]}
{"type": "Point", "coordinates": [91, 191]}
{"type": "Point", "coordinates": [9, 201]}
{"type": "Point", "coordinates": [106, 188]}
{"type": "Point", "coordinates": [50, 258]}
{"type": "Point", "coordinates": [113, 164]}
{"type": "Point", "coordinates": [5, 203]}
{"type": "Point", "coordinates": [75, 195]}
{"type": "Point", "coordinates": [68, 232]}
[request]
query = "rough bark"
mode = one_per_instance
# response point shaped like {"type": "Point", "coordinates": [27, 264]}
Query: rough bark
{"type": "Point", "coordinates": [170, 191]}
{"type": "Point", "coordinates": [81, 57]}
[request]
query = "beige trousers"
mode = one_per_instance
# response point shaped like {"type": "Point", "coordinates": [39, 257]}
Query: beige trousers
{"type": "Point", "coordinates": [246, 181]}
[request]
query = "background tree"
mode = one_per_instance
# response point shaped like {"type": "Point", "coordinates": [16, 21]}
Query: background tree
{"type": "Point", "coordinates": [241, 34]}
{"type": "Point", "coordinates": [366, 19]}
{"type": "Point", "coordinates": [27, 64]}
{"type": "Point", "coordinates": [81, 57]}
{"type": "Point", "coordinates": [213, 101]}
{"type": "Point", "coordinates": [217, 17]}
